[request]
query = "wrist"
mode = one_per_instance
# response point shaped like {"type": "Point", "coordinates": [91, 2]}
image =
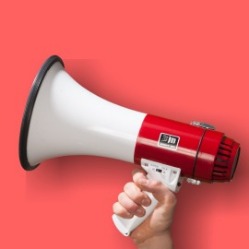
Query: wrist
{"type": "Point", "coordinates": [159, 241]}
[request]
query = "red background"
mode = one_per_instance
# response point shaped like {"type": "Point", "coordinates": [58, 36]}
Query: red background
{"type": "Point", "coordinates": [184, 60]}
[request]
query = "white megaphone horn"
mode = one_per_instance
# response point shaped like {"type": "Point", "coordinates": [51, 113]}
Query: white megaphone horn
{"type": "Point", "coordinates": [63, 118]}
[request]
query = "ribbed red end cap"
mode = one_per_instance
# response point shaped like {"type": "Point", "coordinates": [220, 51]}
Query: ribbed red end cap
{"type": "Point", "coordinates": [226, 160]}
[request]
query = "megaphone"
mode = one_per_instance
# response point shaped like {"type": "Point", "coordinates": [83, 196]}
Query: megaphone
{"type": "Point", "coordinates": [63, 118]}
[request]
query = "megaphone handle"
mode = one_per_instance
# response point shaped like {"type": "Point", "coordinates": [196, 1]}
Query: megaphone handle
{"type": "Point", "coordinates": [126, 226]}
{"type": "Point", "coordinates": [168, 175]}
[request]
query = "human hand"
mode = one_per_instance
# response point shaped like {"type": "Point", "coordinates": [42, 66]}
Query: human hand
{"type": "Point", "coordinates": [154, 232]}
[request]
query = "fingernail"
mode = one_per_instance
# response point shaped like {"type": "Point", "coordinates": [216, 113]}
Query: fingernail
{"type": "Point", "coordinates": [145, 202]}
{"type": "Point", "coordinates": [140, 211]}
{"type": "Point", "coordinates": [129, 215]}
{"type": "Point", "coordinates": [143, 181]}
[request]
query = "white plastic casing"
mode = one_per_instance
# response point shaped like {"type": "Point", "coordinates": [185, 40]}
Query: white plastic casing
{"type": "Point", "coordinates": [70, 120]}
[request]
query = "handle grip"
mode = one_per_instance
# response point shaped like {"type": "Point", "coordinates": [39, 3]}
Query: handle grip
{"type": "Point", "coordinates": [126, 226]}
{"type": "Point", "coordinates": [166, 174]}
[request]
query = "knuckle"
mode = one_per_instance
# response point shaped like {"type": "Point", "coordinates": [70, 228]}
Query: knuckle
{"type": "Point", "coordinates": [134, 192]}
{"type": "Point", "coordinates": [128, 186]}
{"type": "Point", "coordinates": [127, 203]}
{"type": "Point", "coordinates": [131, 207]}
{"type": "Point", "coordinates": [121, 211]}
{"type": "Point", "coordinates": [139, 197]}
{"type": "Point", "coordinates": [115, 208]}
{"type": "Point", "coordinates": [171, 198]}
{"type": "Point", "coordinates": [121, 196]}
{"type": "Point", "coordinates": [137, 174]}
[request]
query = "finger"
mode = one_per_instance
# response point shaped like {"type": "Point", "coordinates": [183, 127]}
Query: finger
{"type": "Point", "coordinates": [131, 206]}
{"type": "Point", "coordinates": [138, 174]}
{"type": "Point", "coordinates": [159, 190]}
{"type": "Point", "coordinates": [119, 210]}
{"type": "Point", "coordinates": [135, 194]}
